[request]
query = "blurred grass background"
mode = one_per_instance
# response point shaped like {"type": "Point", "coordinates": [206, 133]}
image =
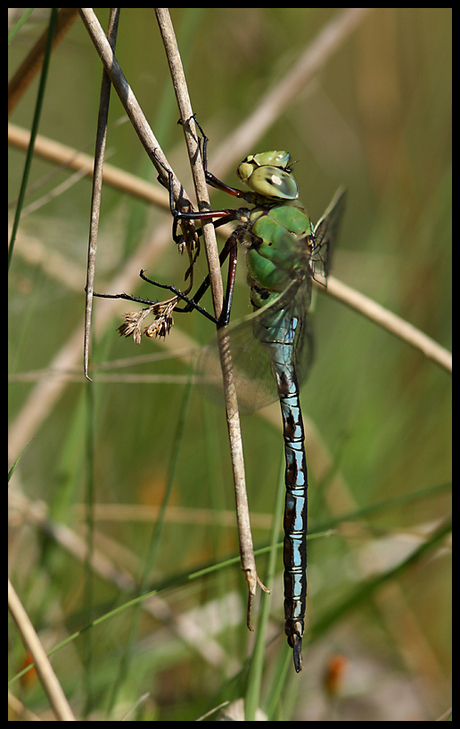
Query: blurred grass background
{"type": "Point", "coordinates": [377, 118]}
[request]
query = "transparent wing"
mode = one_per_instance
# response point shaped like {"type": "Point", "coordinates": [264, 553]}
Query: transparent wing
{"type": "Point", "coordinates": [326, 232]}
{"type": "Point", "coordinates": [251, 361]}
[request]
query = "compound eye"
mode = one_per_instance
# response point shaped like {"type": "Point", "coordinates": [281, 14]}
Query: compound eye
{"type": "Point", "coordinates": [273, 182]}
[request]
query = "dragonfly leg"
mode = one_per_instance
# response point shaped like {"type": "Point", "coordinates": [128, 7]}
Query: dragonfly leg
{"type": "Point", "coordinates": [213, 180]}
{"type": "Point", "coordinates": [179, 216]}
{"type": "Point", "coordinates": [191, 304]}
{"type": "Point", "coordinates": [230, 250]}
{"type": "Point", "coordinates": [177, 292]}
{"type": "Point", "coordinates": [126, 297]}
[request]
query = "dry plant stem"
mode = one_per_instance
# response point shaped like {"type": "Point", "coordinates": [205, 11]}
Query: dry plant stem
{"type": "Point", "coordinates": [130, 103]}
{"type": "Point", "coordinates": [231, 403]}
{"type": "Point", "coordinates": [65, 156]}
{"type": "Point", "coordinates": [391, 322]}
{"type": "Point", "coordinates": [201, 189]}
{"type": "Point", "coordinates": [97, 186]}
{"type": "Point", "coordinates": [32, 642]}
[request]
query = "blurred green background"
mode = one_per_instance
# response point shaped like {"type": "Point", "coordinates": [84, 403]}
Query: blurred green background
{"type": "Point", "coordinates": [376, 118]}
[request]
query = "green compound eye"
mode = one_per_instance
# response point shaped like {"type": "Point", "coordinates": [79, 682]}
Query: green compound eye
{"type": "Point", "coordinates": [268, 174]}
{"type": "Point", "coordinates": [273, 182]}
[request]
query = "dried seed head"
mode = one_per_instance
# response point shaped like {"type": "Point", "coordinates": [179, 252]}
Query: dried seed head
{"type": "Point", "coordinates": [160, 327]}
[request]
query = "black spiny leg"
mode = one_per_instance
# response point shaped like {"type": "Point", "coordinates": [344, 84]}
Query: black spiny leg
{"type": "Point", "coordinates": [162, 311]}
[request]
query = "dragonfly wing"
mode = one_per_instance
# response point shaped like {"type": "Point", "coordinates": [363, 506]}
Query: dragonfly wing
{"type": "Point", "coordinates": [254, 378]}
{"type": "Point", "coordinates": [326, 231]}
{"type": "Point", "coordinates": [304, 351]}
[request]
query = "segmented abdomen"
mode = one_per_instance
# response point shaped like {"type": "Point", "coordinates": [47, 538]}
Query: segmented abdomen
{"type": "Point", "coordinates": [295, 513]}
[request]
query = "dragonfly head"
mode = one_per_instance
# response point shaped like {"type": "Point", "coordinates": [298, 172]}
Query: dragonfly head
{"type": "Point", "coordinates": [269, 174]}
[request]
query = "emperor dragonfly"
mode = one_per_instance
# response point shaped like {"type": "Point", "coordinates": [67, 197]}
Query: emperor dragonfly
{"type": "Point", "coordinates": [284, 252]}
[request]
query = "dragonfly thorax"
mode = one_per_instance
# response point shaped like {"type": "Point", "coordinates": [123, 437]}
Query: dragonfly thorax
{"type": "Point", "coordinates": [278, 242]}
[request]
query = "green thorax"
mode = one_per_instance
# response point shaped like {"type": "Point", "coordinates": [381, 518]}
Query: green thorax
{"type": "Point", "coordinates": [279, 241]}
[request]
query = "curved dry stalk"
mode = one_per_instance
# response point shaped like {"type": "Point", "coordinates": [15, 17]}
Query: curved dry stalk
{"type": "Point", "coordinates": [73, 159]}
{"type": "Point", "coordinates": [49, 680]}
{"type": "Point", "coordinates": [144, 133]}
{"type": "Point", "coordinates": [99, 156]}
{"type": "Point", "coordinates": [209, 235]}
{"type": "Point", "coordinates": [131, 104]}
{"type": "Point", "coordinates": [188, 125]}
{"type": "Point", "coordinates": [389, 321]}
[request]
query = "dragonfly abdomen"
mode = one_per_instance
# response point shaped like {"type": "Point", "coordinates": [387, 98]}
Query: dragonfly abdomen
{"type": "Point", "coordinates": [295, 512]}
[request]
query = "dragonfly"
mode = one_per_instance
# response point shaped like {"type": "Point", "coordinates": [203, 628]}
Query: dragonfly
{"type": "Point", "coordinates": [272, 349]}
